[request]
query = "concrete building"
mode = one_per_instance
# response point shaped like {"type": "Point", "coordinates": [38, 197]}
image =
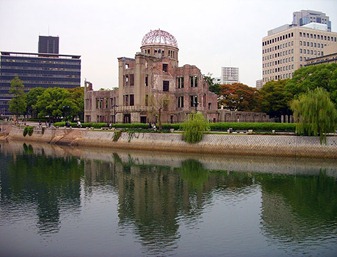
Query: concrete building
{"type": "Point", "coordinates": [36, 70]}
{"type": "Point", "coordinates": [152, 86]}
{"type": "Point", "coordinates": [48, 44]}
{"type": "Point", "coordinates": [47, 68]}
{"type": "Point", "coordinates": [330, 56]}
{"type": "Point", "coordinates": [287, 48]}
{"type": "Point", "coordinates": [259, 84]}
{"type": "Point", "coordinates": [304, 17]}
{"type": "Point", "coordinates": [229, 75]}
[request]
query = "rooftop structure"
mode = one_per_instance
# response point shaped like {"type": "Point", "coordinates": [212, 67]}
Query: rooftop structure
{"type": "Point", "coordinates": [304, 17]}
{"type": "Point", "coordinates": [159, 37]}
{"type": "Point", "coordinates": [48, 44]}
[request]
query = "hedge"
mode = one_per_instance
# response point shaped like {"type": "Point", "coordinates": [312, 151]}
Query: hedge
{"type": "Point", "coordinates": [219, 126]}
{"type": "Point", "coordinates": [255, 126]}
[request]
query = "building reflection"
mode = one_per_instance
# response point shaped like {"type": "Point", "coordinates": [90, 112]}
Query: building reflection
{"type": "Point", "coordinates": [153, 198]}
{"type": "Point", "coordinates": [156, 193]}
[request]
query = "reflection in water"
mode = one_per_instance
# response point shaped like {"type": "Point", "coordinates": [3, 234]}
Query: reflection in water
{"type": "Point", "coordinates": [162, 200]}
{"type": "Point", "coordinates": [42, 180]}
{"type": "Point", "coordinates": [299, 208]}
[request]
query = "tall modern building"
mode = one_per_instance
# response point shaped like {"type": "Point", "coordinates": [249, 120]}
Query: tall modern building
{"type": "Point", "coordinates": [307, 16]}
{"type": "Point", "coordinates": [48, 44]}
{"type": "Point", "coordinates": [36, 70]}
{"type": "Point", "coordinates": [229, 75]}
{"type": "Point", "coordinates": [287, 48]}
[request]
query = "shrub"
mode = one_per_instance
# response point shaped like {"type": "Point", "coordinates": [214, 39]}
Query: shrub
{"type": "Point", "coordinates": [28, 130]}
{"type": "Point", "coordinates": [117, 135]}
{"type": "Point", "coordinates": [194, 128]}
{"type": "Point", "coordinates": [255, 126]}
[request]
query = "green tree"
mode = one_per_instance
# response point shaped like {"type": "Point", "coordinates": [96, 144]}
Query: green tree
{"type": "Point", "coordinates": [194, 128]}
{"type": "Point", "coordinates": [32, 97]}
{"type": "Point", "coordinates": [311, 77]}
{"type": "Point", "coordinates": [56, 103]}
{"type": "Point", "coordinates": [316, 114]}
{"type": "Point", "coordinates": [18, 104]}
{"type": "Point", "coordinates": [275, 98]}
{"type": "Point", "coordinates": [213, 87]}
{"type": "Point", "coordinates": [77, 96]}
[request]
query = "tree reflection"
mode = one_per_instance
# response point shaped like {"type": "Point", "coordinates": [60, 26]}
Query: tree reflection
{"type": "Point", "coordinates": [155, 200]}
{"type": "Point", "coordinates": [44, 181]}
{"type": "Point", "coordinates": [290, 202]}
{"type": "Point", "coordinates": [194, 173]}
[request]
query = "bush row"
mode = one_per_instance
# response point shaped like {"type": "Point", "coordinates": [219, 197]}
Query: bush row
{"type": "Point", "coordinates": [220, 126]}
{"type": "Point", "coordinates": [255, 126]}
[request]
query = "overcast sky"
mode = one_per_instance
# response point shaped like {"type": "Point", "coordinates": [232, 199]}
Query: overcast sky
{"type": "Point", "coordinates": [210, 34]}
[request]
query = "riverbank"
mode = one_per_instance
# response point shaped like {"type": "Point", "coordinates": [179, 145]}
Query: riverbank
{"type": "Point", "coordinates": [238, 144]}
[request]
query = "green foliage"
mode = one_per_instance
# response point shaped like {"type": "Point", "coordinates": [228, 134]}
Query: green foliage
{"type": "Point", "coordinates": [194, 128]}
{"type": "Point", "coordinates": [28, 130]}
{"type": "Point", "coordinates": [316, 113]}
{"type": "Point", "coordinates": [311, 77]}
{"type": "Point", "coordinates": [275, 98]}
{"type": "Point", "coordinates": [193, 172]}
{"type": "Point", "coordinates": [77, 96]}
{"type": "Point", "coordinates": [218, 126]}
{"type": "Point", "coordinates": [213, 87]}
{"type": "Point", "coordinates": [17, 105]}
{"type": "Point", "coordinates": [117, 135]}
{"type": "Point", "coordinates": [32, 97]}
{"type": "Point", "coordinates": [255, 126]}
{"type": "Point", "coordinates": [58, 102]}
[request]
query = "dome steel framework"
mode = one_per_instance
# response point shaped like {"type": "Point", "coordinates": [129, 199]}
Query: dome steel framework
{"type": "Point", "coordinates": [159, 37]}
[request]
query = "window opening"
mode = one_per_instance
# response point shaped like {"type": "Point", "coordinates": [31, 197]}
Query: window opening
{"type": "Point", "coordinates": [165, 67]}
{"type": "Point", "coordinates": [166, 85]}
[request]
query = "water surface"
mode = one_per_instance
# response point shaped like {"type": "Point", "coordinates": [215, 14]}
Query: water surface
{"type": "Point", "coordinates": [61, 201]}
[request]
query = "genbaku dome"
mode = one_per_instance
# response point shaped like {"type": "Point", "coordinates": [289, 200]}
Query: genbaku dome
{"type": "Point", "coordinates": [152, 86]}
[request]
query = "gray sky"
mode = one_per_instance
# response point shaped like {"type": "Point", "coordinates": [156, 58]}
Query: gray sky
{"type": "Point", "coordinates": [210, 34]}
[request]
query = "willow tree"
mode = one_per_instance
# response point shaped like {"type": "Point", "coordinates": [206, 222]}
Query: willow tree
{"type": "Point", "coordinates": [315, 114]}
{"type": "Point", "coordinates": [194, 128]}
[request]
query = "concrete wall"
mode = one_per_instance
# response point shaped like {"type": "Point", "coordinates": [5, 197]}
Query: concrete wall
{"type": "Point", "coordinates": [242, 144]}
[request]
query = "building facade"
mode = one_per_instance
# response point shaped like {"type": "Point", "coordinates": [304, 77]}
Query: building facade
{"type": "Point", "coordinates": [152, 86]}
{"type": "Point", "coordinates": [330, 56]}
{"type": "Point", "coordinates": [36, 70]}
{"type": "Point", "coordinates": [48, 44]}
{"type": "Point", "coordinates": [304, 17]}
{"type": "Point", "coordinates": [229, 75]}
{"type": "Point", "coordinates": [288, 47]}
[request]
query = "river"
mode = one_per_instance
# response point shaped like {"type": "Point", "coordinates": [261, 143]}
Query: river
{"type": "Point", "coordinates": [72, 201]}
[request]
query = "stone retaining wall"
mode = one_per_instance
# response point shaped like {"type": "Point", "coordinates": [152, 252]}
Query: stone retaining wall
{"type": "Point", "coordinates": [260, 145]}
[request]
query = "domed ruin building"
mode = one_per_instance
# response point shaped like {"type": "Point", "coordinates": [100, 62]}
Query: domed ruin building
{"type": "Point", "coordinates": [152, 86]}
